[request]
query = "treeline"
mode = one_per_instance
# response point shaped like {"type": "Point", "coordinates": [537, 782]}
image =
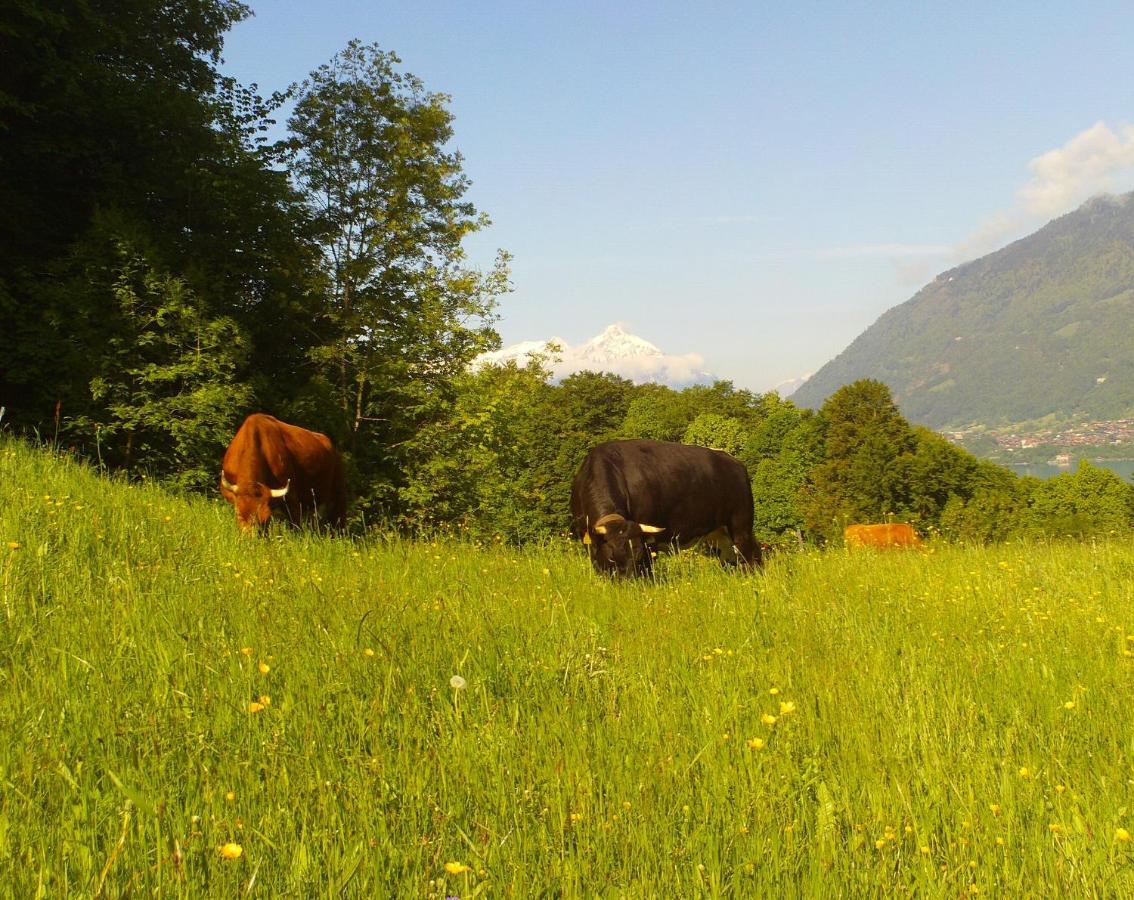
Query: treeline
{"type": "Point", "coordinates": [501, 466]}
{"type": "Point", "coordinates": [165, 269]}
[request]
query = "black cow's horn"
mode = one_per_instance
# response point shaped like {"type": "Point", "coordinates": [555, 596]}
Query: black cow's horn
{"type": "Point", "coordinates": [600, 526]}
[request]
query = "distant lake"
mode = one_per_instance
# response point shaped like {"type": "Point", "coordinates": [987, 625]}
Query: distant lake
{"type": "Point", "coordinates": [1124, 467]}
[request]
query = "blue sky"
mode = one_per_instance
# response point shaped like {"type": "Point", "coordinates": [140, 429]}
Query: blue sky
{"type": "Point", "coordinates": [753, 182]}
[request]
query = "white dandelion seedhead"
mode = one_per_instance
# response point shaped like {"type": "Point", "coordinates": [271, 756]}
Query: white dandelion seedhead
{"type": "Point", "coordinates": [456, 682]}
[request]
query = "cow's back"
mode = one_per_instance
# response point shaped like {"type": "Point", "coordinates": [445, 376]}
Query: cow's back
{"type": "Point", "coordinates": [881, 536]}
{"type": "Point", "coordinates": [276, 453]}
{"type": "Point", "coordinates": [687, 489]}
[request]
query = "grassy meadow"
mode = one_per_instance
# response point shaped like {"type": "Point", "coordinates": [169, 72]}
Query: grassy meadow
{"type": "Point", "coordinates": [940, 724]}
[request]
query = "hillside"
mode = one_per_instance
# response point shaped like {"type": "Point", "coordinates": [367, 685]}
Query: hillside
{"type": "Point", "coordinates": [187, 711]}
{"type": "Point", "coordinates": [1043, 327]}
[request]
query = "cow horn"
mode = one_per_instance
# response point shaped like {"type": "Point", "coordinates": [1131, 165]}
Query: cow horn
{"type": "Point", "coordinates": [280, 492]}
{"type": "Point", "coordinates": [600, 526]}
{"type": "Point", "coordinates": [224, 483]}
{"type": "Point", "coordinates": [651, 529]}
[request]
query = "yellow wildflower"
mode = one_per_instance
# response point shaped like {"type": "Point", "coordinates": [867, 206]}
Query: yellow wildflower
{"type": "Point", "coordinates": [995, 807]}
{"type": "Point", "coordinates": [265, 699]}
{"type": "Point", "coordinates": [756, 744]}
{"type": "Point", "coordinates": [13, 545]}
{"type": "Point", "coordinates": [455, 868]}
{"type": "Point", "coordinates": [230, 796]}
{"type": "Point", "coordinates": [1121, 834]}
{"type": "Point", "coordinates": [880, 843]}
{"type": "Point", "coordinates": [367, 652]}
{"type": "Point", "coordinates": [1070, 704]}
{"type": "Point", "coordinates": [264, 668]}
{"type": "Point", "coordinates": [1024, 773]}
{"type": "Point", "coordinates": [247, 651]}
{"type": "Point", "coordinates": [774, 691]}
{"type": "Point", "coordinates": [768, 719]}
{"type": "Point", "coordinates": [230, 851]}
{"type": "Point", "coordinates": [255, 707]}
{"type": "Point", "coordinates": [787, 707]}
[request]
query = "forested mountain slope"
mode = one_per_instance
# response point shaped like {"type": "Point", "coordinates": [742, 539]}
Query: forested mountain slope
{"type": "Point", "coordinates": [1043, 326]}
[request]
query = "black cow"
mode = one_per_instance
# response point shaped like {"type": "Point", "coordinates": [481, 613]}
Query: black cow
{"type": "Point", "coordinates": [628, 495]}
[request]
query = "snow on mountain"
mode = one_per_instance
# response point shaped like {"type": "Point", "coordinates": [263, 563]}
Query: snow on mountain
{"type": "Point", "coordinates": [786, 388]}
{"type": "Point", "coordinates": [615, 350]}
{"type": "Point", "coordinates": [517, 353]}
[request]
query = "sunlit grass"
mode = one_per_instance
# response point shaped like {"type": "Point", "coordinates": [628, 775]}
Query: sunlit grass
{"type": "Point", "coordinates": [186, 710]}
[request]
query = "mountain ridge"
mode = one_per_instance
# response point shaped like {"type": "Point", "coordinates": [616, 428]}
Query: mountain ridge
{"type": "Point", "coordinates": [1042, 327]}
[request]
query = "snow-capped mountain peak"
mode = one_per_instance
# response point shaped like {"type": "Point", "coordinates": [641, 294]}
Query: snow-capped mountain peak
{"type": "Point", "coordinates": [616, 342]}
{"type": "Point", "coordinates": [615, 350]}
{"type": "Point", "coordinates": [786, 388]}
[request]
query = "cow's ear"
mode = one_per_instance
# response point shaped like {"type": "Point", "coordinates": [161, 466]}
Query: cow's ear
{"type": "Point", "coordinates": [651, 529]}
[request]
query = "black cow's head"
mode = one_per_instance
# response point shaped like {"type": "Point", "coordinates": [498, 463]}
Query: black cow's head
{"type": "Point", "coordinates": [618, 546]}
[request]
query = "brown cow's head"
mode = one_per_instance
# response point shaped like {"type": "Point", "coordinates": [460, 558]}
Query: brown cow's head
{"type": "Point", "coordinates": [618, 546]}
{"type": "Point", "coordinates": [253, 501]}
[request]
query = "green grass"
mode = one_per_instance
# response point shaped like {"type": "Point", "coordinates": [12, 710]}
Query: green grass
{"type": "Point", "coordinates": [601, 743]}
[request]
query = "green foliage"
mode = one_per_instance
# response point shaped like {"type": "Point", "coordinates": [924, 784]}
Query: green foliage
{"type": "Point", "coordinates": [167, 378]}
{"type": "Point", "coordinates": [474, 469]}
{"type": "Point", "coordinates": [1090, 501]}
{"type": "Point", "coordinates": [716, 431]}
{"type": "Point", "coordinates": [859, 479]}
{"type": "Point", "coordinates": [936, 471]}
{"type": "Point", "coordinates": [658, 413]}
{"type": "Point", "coordinates": [369, 153]}
{"type": "Point", "coordinates": [780, 481]}
{"type": "Point", "coordinates": [118, 129]}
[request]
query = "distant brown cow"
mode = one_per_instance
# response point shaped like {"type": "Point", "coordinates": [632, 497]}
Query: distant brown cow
{"type": "Point", "coordinates": [270, 461]}
{"type": "Point", "coordinates": [881, 536]}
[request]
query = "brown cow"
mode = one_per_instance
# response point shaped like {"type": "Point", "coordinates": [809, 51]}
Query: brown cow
{"type": "Point", "coordinates": [881, 536]}
{"type": "Point", "coordinates": [269, 461]}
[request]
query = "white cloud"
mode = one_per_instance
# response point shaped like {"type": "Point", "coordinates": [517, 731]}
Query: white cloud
{"type": "Point", "coordinates": [1097, 160]}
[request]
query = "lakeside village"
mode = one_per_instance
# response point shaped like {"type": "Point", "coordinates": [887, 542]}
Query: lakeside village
{"type": "Point", "coordinates": [1058, 445]}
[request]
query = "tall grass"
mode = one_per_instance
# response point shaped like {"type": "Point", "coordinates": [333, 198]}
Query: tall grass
{"type": "Point", "coordinates": [949, 722]}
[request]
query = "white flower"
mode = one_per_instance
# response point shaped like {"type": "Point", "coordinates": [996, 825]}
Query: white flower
{"type": "Point", "coordinates": [456, 682]}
